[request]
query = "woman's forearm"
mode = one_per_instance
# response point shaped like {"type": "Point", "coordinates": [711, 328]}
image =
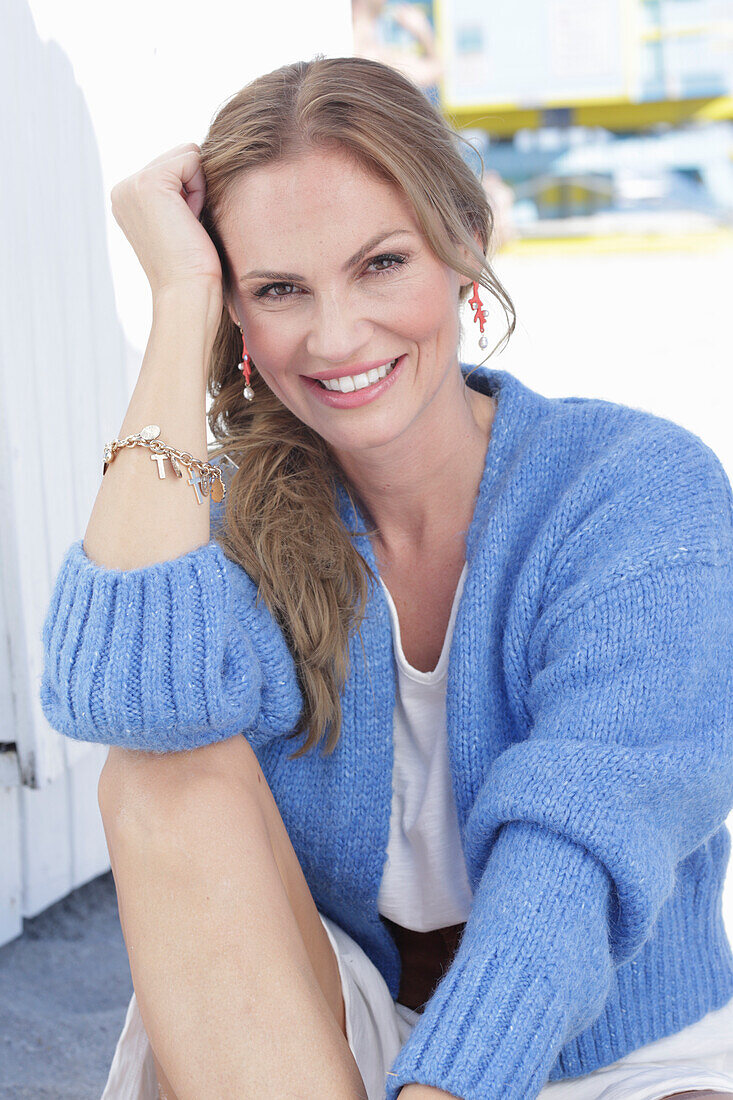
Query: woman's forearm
{"type": "Point", "coordinates": [139, 518]}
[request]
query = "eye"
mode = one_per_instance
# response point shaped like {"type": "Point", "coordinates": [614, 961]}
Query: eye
{"type": "Point", "coordinates": [262, 292]}
{"type": "Point", "coordinates": [397, 261]}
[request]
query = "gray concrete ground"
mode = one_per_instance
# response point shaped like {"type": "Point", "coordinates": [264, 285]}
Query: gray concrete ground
{"type": "Point", "coordinates": [64, 989]}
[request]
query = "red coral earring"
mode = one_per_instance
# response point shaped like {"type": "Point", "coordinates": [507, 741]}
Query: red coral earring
{"type": "Point", "coordinates": [479, 314]}
{"type": "Point", "coordinates": [244, 366]}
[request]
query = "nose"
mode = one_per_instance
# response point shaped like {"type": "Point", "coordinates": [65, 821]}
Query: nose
{"type": "Point", "coordinates": [336, 334]}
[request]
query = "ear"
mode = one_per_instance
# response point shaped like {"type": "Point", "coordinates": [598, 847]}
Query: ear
{"type": "Point", "coordinates": [470, 258]}
{"type": "Point", "coordinates": [231, 311]}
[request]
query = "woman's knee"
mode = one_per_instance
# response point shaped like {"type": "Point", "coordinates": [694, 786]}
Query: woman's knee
{"type": "Point", "coordinates": [150, 794]}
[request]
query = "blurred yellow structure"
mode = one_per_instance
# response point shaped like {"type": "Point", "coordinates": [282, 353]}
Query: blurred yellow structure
{"type": "Point", "coordinates": [619, 64]}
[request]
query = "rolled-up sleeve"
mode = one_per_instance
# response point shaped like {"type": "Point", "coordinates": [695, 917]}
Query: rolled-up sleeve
{"type": "Point", "coordinates": [166, 657]}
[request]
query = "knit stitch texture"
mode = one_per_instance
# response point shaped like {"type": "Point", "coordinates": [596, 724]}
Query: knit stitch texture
{"type": "Point", "coordinates": [589, 724]}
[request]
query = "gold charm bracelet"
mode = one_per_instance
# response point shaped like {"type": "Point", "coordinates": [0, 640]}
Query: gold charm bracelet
{"type": "Point", "coordinates": [203, 477]}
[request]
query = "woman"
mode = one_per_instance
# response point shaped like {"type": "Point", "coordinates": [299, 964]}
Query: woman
{"type": "Point", "coordinates": [478, 642]}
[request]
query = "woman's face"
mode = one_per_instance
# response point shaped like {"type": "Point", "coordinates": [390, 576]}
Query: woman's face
{"type": "Point", "coordinates": [319, 293]}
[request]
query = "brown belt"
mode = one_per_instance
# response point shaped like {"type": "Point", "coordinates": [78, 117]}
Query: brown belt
{"type": "Point", "coordinates": [425, 958]}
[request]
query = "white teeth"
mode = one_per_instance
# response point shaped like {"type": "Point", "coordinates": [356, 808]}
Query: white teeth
{"type": "Point", "coordinates": [352, 382]}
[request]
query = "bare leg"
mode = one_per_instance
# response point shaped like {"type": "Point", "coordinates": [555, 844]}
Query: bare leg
{"type": "Point", "coordinates": [234, 974]}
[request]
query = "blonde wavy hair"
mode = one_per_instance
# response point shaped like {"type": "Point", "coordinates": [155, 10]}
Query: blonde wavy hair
{"type": "Point", "coordinates": [281, 521]}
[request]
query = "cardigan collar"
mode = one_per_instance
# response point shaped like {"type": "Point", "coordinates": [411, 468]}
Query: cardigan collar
{"type": "Point", "coordinates": [511, 397]}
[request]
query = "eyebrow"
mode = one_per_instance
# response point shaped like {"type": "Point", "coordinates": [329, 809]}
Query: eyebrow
{"type": "Point", "coordinates": [287, 276]}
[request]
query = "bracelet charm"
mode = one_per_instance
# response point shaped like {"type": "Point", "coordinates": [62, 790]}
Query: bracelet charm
{"type": "Point", "coordinates": [204, 478]}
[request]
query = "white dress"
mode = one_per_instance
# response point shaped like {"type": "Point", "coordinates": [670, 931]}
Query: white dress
{"type": "Point", "coordinates": [425, 886]}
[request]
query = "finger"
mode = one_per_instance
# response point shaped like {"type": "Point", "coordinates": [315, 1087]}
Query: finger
{"type": "Point", "coordinates": [192, 174]}
{"type": "Point", "coordinates": [185, 175]}
{"type": "Point", "coordinates": [195, 191]}
{"type": "Point", "coordinates": [182, 173]}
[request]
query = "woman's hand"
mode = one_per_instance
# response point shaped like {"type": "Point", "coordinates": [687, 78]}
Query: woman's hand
{"type": "Point", "coordinates": [158, 209]}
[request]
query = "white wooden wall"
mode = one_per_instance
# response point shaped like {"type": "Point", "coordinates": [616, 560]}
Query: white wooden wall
{"type": "Point", "coordinates": [62, 394]}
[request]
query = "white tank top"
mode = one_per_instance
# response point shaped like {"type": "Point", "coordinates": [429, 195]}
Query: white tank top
{"type": "Point", "coordinates": [424, 885]}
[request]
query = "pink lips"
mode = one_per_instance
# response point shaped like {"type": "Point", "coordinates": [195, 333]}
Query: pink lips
{"type": "Point", "coordinates": [351, 400]}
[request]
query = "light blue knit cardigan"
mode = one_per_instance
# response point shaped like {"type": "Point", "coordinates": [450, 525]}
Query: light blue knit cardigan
{"type": "Point", "coordinates": [590, 732]}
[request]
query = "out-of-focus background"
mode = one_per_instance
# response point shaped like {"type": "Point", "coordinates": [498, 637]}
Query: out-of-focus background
{"type": "Point", "coordinates": [603, 134]}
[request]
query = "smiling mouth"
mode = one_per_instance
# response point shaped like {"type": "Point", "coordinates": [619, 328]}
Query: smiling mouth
{"type": "Point", "coordinates": [352, 382]}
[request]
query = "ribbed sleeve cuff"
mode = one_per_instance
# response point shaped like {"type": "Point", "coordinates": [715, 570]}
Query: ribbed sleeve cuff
{"type": "Point", "coordinates": [167, 657]}
{"type": "Point", "coordinates": [532, 970]}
